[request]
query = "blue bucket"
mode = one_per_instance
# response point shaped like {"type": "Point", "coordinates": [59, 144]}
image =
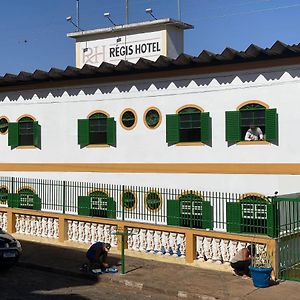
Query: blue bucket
{"type": "Point", "coordinates": [261, 276]}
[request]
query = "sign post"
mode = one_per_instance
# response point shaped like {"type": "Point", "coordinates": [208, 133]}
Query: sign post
{"type": "Point", "coordinates": [123, 233]}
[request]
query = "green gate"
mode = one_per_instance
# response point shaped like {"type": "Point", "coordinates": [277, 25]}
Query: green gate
{"type": "Point", "coordinates": [289, 236]}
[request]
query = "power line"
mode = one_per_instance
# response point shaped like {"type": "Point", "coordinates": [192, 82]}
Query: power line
{"type": "Point", "coordinates": [252, 12]}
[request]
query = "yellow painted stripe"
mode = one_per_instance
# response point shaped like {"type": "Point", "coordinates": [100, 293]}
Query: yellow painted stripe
{"type": "Point", "coordinates": [195, 168]}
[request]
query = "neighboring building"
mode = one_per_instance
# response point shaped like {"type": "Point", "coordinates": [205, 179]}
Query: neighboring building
{"type": "Point", "coordinates": [173, 122]}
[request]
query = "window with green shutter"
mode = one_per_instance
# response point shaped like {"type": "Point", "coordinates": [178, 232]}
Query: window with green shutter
{"type": "Point", "coordinates": [252, 214]}
{"type": "Point", "coordinates": [26, 132]}
{"type": "Point", "coordinates": [251, 115]}
{"type": "Point", "coordinates": [190, 210]}
{"type": "Point", "coordinates": [97, 204]}
{"type": "Point", "coordinates": [3, 196]}
{"type": "Point", "coordinates": [97, 130]}
{"type": "Point", "coordinates": [25, 198]}
{"type": "Point", "coordinates": [189, 125]}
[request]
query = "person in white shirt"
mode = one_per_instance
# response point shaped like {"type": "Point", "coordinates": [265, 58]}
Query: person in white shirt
{"type": "Point", "coordinates": [254, 133]}
{"type": "Point", "coordinates": [242, 260]}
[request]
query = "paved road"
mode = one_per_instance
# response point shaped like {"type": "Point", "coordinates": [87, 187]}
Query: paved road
{"type": "Point", "coordinates": [25, 283]}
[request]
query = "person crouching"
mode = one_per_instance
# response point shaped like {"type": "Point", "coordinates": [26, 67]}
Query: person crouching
{"type": "Point", "coordinates": [97, 255]}
{"type": "Point", "coordinates": [242, 261]}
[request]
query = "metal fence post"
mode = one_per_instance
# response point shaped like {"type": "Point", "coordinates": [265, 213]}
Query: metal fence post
{"type": "Point", "coordinates": [12, 185]}
{"type": "Point", "coordinates": [64, 197]}
{"type": "Point", "coordinates": [122, 201]}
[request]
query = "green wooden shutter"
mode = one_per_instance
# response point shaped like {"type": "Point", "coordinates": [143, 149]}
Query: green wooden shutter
{"type": "Point", "coordinates": [84, 205]}
{"type": "Point", "coordinates": [271, 125]}
{"type": "Point", "coordinates": [83, 132]}
{"type": "Point", "coordinates": [207, 215]}
{"type": "Point", "coordinates": [173, 212]}
{"type": "Point", "coordinates": [111, 208]}
{"type": "Point", "coordinates": [13, 200]}
{"type": "Point", "coordinates": [37, 135]}
{"type": "Point", "coordinates": [111, 132]}
{"type": "Point", "coordinates": [233, 216]}
{"type": "Point", "coordinates": [205, 128]}
{"type": "Point", "coordinates": [172, 127]}
{"type": "Point", "coordinates": [272, 225]}
{"type": "Point", "coordinates": [13, 135]}
{"type": "Point", "coordinates": [233, 130]}
{"type": "Point", "coordinates": [37, 202]}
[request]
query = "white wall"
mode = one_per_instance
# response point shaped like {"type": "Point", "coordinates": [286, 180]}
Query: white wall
{"type": "Point", "coordinates": [58, 110]}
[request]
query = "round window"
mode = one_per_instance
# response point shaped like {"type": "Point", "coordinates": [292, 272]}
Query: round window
{"type": "Point", "coordinates": [153, 200]}
{"type": "Point", "coordinates": [152, 118]}
{"type": "Point", "coordinates": [3, 125]}
{"type": "Point", "coordinates": [128, 119]}
{"type": "Point", "coordinates": [128, 199]}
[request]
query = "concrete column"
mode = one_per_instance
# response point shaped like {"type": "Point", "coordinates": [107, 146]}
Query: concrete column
{"type": "Point", "coordinates": [11, 221]}
{"type": "Point", "coordinates": [62, 228]}
{"type": "Point", "coordinates": [190, 251]}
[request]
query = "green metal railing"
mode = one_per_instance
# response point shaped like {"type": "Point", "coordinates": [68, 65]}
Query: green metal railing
{"type": "Point", "coordinates": [288, 208]}
{"type": "Point", "coordinates": [188, 208]}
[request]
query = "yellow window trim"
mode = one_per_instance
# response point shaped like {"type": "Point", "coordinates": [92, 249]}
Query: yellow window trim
{"type": "Point", "coordinates": [6, 118]}
{"type": "Point", "coordinates": [135, 118]}
{"type": "Point", "coordinates": [253, 102]}
{"type": "Point", "coordinates": [254, 143]}
{"type": "Point", "coordinates": [98, 146]}
{"type": "Point", "coordinates": [191, 144]}
{"type": "Point", "coordinates": [26, 147]}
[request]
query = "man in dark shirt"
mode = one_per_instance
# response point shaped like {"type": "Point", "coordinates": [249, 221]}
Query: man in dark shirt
{"type": "Point", "coordinates": [97, 255]}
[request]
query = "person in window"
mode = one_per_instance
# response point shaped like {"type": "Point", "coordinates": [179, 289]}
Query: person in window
{"type": "Point", "coordinates": [254, 133]}
{"type": "Point", "coordinates": [242, 260]}
{"type": "Point", "coordinates": [97, 255]}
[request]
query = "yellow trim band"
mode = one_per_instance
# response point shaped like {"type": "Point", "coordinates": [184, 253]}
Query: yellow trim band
{"type": "Point", "coordinates": [188, 168]}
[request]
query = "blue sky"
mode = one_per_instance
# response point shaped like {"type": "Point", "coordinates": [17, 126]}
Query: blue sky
{"type": "Point", "coordinates": [33, 32]}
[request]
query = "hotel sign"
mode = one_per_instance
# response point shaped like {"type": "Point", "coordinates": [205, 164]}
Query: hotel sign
{"type": "Point", "coordinates": [115, 49]}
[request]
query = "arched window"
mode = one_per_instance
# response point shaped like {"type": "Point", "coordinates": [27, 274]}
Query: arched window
{"type": "Point", "coordinates": [252, 214]}
{"type": "Point", "coordinates": [190, 124]}
{"type": "Point", "coordinates": [98, 129]}
{"type": "Point", "coordinates": [255, 118]}
{"type": "Point", "coordinates": [25, 198]}
{"type": "Point", "coordinates": [98, 204]}
{"type": "Point", "coordinates": [190, 210]}
{"type": "Point", "coordinates": [26, 132]}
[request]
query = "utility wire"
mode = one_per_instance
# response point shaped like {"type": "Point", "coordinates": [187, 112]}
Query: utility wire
{"type": "Point", "coordinates": [252, 12]}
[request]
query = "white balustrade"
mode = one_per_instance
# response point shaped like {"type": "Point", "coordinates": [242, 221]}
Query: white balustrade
{"type": "Point", "coordinates": [37, 226]}
{"type": "Point", "coordinates": [220, 251]}
{"type": "Point", "coordinates": [208, 249]}
{"type": "Point", "coordinates": [157, 242]}
{"type": "Point", "coordinates": [88, 233]}
{"type": "Point", "coordinates": [3, 220]}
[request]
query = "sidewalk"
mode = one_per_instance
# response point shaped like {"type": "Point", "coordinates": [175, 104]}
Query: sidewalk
{"type": "Point", "coordinates": [168, 278]}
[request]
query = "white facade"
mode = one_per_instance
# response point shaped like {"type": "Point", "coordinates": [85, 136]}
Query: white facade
{"type": "Point", "coordinates": [58, 109]}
